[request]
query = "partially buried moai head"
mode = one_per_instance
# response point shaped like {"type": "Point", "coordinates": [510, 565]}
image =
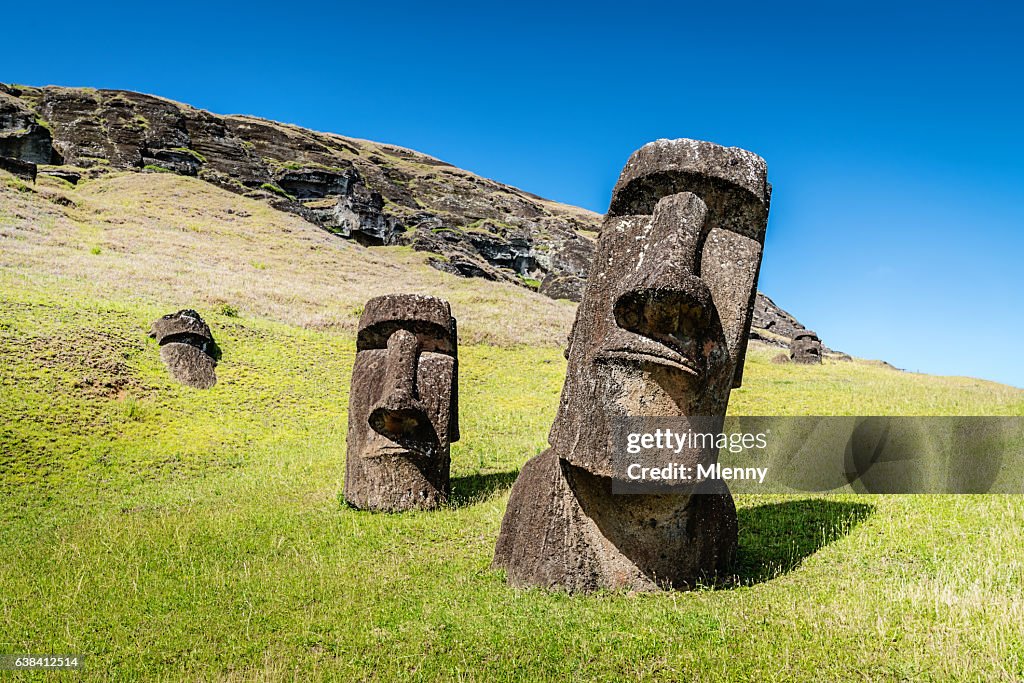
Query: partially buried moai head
{"type": "Point", "coordinates": [805, 348]}
{"type": "Point", "coordinates": [662, 327]}
{"type": "Point", "coordinates": [187, 348]}
{"type": "Point", "coordinates": [403, 404]}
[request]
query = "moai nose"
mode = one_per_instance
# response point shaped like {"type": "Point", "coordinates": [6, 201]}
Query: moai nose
{"type": "Point", "coordinates": [664, 296]}
{"type": "Point", "coordinates": [400, 415]}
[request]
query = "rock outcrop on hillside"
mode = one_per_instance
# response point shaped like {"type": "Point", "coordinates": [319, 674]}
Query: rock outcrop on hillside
{"type": "Point", "coordinates": [374, 193]}
{"type": "Point", "coordinates": [772, 325]}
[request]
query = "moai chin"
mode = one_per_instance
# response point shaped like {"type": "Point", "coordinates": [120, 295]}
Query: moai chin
{"type": "Point", "coordinates": [805, 347]}
{"type": "Point", "coordinates": [403, 405]}
{"type": "Point", "coordinates": [661, 331]}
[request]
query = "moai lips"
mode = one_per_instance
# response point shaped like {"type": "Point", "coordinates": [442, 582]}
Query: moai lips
{"type": "Point", "coordinates": [660, 332]}
{"type": "Point", "coordinates": [403, 405]}
{"type": "Point", "coordinates": [187, 348]}
{"type": "Point", "coordinates": [805, 347]}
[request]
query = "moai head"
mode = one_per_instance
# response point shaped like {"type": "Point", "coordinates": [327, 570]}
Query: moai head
{"type": "Point", "coordinates": [805, 348]}
{"type": "Point", "coordinates": [187, 348]}
{"type": "Point", "coordinates": [662, 327]}
{"type": "Point", "coordinates": [660, 332]}
{"type": "Point", "coordinates": [403, 404]}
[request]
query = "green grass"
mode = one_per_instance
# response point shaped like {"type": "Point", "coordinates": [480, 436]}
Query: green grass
{"type": "Point", "coordinates": [532, 283]}
{"type": "Point", "coordinates": [168, 532]}
{"type": "Point", "coordinates": [179, 534]}
{"type": "Point", "coordinates": [271, 187]}
{"type": "Point", "coordinates": [191, 152]}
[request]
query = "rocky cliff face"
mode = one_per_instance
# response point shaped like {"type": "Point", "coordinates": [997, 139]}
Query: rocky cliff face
{"type": "Point", "coordinates": [374, 193]}
{"type": "Point", "coordinates": [772, 325]}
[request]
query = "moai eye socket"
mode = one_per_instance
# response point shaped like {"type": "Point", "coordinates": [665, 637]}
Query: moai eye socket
{"type": "Point", "coordinates": [657, 313]}
{"type": "Point", "coordinates": [431, 337]}
{"type": "Point", "coordinates": [428, 318]}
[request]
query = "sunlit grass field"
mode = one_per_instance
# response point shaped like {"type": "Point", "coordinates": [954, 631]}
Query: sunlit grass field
{"type": "Point", "coordinates": [170, 533]}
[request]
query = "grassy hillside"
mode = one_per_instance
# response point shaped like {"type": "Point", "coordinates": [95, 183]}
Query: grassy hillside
{"type": "Point", "coordinates": [172, 239]}
{"type": "Point", "coordinates": [172, 533]}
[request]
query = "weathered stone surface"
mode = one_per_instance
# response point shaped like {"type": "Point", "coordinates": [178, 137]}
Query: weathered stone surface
{"type": "Point", "coordinates": [661, 331]}
{"type": "Point", "coordinates": [567, 267]}
{"type": "Point", "coordinates": [359, 214]}
{"type": "Point", "coordinates": [189, 365]}
{"type": "Point", "coordinates": [774, 326]}
{"type": "Point", "coordinates": [181, 162]}
{"type": "Point", "coordinates": [64, 174]}
{"type": "Point", "coordinates": [185, 322]}
{"type": "Point", "coordinates": [315, 183]}
{"type": "Point", "coordinates": [563, 287]}
{"type": "Point", "coordinates": [21, 136]}
{"type": "Point", "coordinates": [187, 348]}
{"type": "Point", "coordinates": [564, 529]}
{"type": "Point", "coordinates": [403, 405]}
{"type": "Point", "coordinates": [770, 318]}
{"type": "Point", "coordinates": [805, 348]}
{"type": "Point", "coordinates": [22, 169]}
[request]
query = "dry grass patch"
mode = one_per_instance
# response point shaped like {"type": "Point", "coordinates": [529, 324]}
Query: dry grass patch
{"type": "Point", "coordinates": [183, 242]}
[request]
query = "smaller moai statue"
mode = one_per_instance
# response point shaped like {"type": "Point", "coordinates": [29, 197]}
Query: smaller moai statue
{"type": "Point", "coordinates": [805, 348]}
{"type": "Point", "coordinates": [187, 348]}
{"type": "Point", "coordinates": [403, 405]}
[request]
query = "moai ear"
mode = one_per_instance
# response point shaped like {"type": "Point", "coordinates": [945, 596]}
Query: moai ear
{"type": "Point", "coordinates": [453, 416]}
{"type": "Point", "coordinates": [741, 356]}
{"type": "Point", "coordinates": [572, 333]}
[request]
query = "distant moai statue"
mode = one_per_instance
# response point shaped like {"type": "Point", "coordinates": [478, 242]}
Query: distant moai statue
{"type": "Point", "coordinates": [805, 347]}
{"type": "Point", "coordinates": [187, 348]}
{"type": "Point", "coordinates": [403, 405]}
{"type": "Point", "coordinates": [661, 331]}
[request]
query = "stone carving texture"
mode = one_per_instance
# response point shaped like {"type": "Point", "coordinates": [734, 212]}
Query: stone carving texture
{"type": "Point", "coordinates": [805, 348]}
{"type": "Point", "coordinates": [403, 405]}
{"type": "Point", "coordinates": [187, 348]}
{"type": "Point", "coordinates": [661, 331]}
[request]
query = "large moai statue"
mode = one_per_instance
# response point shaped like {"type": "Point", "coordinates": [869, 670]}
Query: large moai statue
{"type": "Point", "coordinates": [805, 347]}
{"type": "Point", "coordinates": [660, 332]}
{"type": "Point", "coordinates": [403, 405]}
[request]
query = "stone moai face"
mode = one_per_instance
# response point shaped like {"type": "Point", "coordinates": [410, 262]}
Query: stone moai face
{"type": "Point", "coordinates": [403, 404]}
{"type": "Point", "coordinates": [187, 348]}
{"type": "Point", "coordinates": [662, 328]}
{"type": "Point", "coordinates": [805, 347]}
{"type": "Point", "coordinates": [661, 331]}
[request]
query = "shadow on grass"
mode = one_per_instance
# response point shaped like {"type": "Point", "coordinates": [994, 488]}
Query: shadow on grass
{"type": "Point", "coordinates": [479, 487]}
{"type": "Point", "coordinates": [775, 538]}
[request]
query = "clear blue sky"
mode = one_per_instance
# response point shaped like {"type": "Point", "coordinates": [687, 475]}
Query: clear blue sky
{"type": "Point", "coordinates": [894, 132]}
